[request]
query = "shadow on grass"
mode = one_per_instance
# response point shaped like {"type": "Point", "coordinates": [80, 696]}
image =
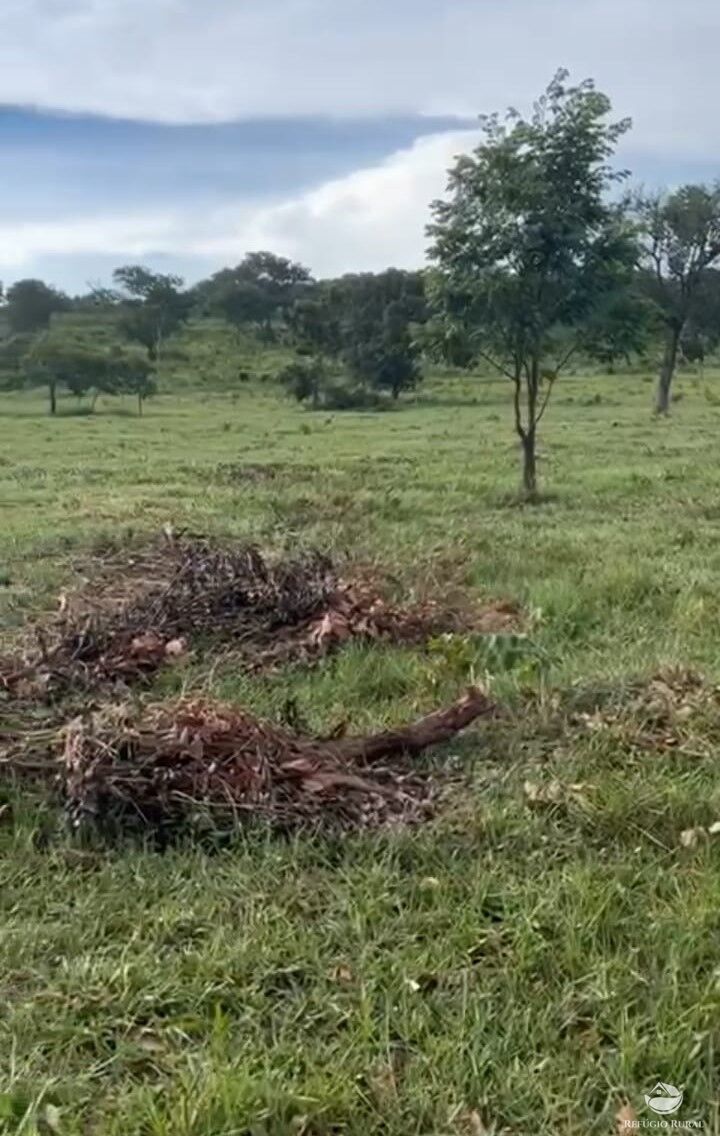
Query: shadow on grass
{"type": "Point", "coordinates": [519, 499]}
{"type": "Point", "coordinates": [72, 412]}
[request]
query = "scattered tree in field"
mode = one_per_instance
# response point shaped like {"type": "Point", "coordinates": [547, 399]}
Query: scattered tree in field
{"type": "Point", "coordinates": [30, 304]}
{"type": "Point", "coordinates": [680, 244]}
{"type": "Point", "coordinates": [386, 357]}
{"type": "Point", "coordinates": [154, 306]}
{"type": "Point", "coordinates": [528, 247]}
{"type": "Point", "coordinates": [58, 362]}
{"type": "Point", "coordinates": [378, 314]}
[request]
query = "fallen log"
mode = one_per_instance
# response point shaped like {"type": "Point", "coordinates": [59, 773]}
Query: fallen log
{"type": "Point", "coordinates": [432, 730]}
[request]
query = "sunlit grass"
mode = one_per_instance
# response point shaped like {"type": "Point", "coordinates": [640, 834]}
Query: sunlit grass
{"type": "Point", "coordinates": [533, 965]}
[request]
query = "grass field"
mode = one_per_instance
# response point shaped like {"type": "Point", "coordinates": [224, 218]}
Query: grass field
{"type": "Point", "coordinates": [545, 950]}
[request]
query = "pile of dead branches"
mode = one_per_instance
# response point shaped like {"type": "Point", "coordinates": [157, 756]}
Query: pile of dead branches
{"type": "Point", "coordinates": [189, 588]}
{"type": "Point", "coordinates": [676, 709]}
{"type": "Point", "coordinates": [185, 592]}
{"type": "Point", "coordinates": [189, 761]}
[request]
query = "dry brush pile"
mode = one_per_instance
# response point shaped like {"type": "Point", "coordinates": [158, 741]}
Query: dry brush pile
{"type": "Point", "coordinates": [167, 765]}
{"type": "Point", "coordinates": [203, 761]}
{"type": "Point", "coordinates": [187, 591]}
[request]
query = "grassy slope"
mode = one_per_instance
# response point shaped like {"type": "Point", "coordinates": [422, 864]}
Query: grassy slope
{"type": "Point", "coordinates": [534, 965]}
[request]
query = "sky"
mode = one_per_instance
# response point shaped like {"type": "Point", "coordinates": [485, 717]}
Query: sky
{"type": "Point", "coordinates": [183, 135]}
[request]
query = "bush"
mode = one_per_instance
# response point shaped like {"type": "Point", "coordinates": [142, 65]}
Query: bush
{"type": "Point", "coordinates": [301, 380]}
{"type": "Point", "coordinates": [337, 395]}
{"type": "Point", "coordinates": [307, 381]}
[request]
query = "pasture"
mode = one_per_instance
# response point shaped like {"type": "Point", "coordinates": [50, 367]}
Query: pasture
{"type": "Point", "coordinates": [529, 962]}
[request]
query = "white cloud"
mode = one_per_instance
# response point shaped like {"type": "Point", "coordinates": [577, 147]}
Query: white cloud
{"type": "Point", "coordinates": [180, 60]}
{"type": "Point", "coordinates": [366, 221]}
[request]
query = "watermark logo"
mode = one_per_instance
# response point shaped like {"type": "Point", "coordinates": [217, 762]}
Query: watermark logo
{"type": "Point", "coordinates": [664, 1099]}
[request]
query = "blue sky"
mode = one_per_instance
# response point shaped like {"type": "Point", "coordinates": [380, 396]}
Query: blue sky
{"type": "Point", "coordinates": [183, 134]}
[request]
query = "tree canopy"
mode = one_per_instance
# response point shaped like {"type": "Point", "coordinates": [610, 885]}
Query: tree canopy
{"type": "Point", "coordinates": [59, 361]}
{"type": "Point", "coordinates": [153, 306]}
{"type": "Point", "coordinates": [30, 304]}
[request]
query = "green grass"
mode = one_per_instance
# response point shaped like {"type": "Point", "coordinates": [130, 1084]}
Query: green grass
{"type": "Point", "coordinates": [535, 965]}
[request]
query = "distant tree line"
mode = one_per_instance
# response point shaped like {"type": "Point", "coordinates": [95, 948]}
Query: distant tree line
{"type": "Point", "coordinates": [352, 339]}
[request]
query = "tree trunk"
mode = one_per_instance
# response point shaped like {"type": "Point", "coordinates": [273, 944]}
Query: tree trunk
{"type": "Point", "coordinates": [529, 464]}
{"type": "Point", "coordinates": [140, 404]}
{"type": "Point", "coordinates": [667, 370]}
{"type": "Point", "coordinates": [53, 398]}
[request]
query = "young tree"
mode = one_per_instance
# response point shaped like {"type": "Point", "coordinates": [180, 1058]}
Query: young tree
{"type": "Point", "coordinates": [154, 306]}
{"type": "Point", "coordinates": [529, 248]}
{"type": "Point", "coordinates": [31, 303]}
{"type": "Point", "coordinates": [680, 244]}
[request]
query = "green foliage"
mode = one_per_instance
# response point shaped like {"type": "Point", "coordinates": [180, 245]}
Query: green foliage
{"type": "Point", "coordinates": [12, 353]}
{"type": "Point", "coordinates": [365, 324]}
{"type": "Point", "coordinates": [57, 361]}
{"type": "Point", "coordinates": [30, 305]}
{"type": "Point", "coordinates": [528, 247]}
{"type": "Point", "coordinates": [680, 243]}
{"type": "Point", "coordinates": [314, 326]}
{"type": "Point", "coordinates": [154, 306]}
{"type": "Point", "coordinates": [255, 294]}
{"type": "Point", "coordinates": [474, 658]}
{"type": "Point", "coordinates": [301, 379]}
{"type": "Point", "coordinates": [308, 380]}
{"type": "Point", "coordinates": [379, 314]}
{"type": "Point", "coordinates": [243, 304]}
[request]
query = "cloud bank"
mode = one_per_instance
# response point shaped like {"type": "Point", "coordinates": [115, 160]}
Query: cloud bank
{"type": "Point", "coordinates": [366, 220]}
{"type": "Point", "coordinates": [174, 62]}
{"type": "Point", "coordinates": [180, 61]}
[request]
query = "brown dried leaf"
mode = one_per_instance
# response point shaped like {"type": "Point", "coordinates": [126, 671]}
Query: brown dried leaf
{"type": "Point", "coordinates": [625, 1119]}
{"type": "Point", "coordinates": [383, 1084]}
{"type": "Point", "coordinates": [475, 1125]}
{"type": "Point", "coordinates": [342, 974]}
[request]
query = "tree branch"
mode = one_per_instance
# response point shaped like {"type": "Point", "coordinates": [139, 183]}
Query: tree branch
{"type": "Point", "coordinates": [498, 366]}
